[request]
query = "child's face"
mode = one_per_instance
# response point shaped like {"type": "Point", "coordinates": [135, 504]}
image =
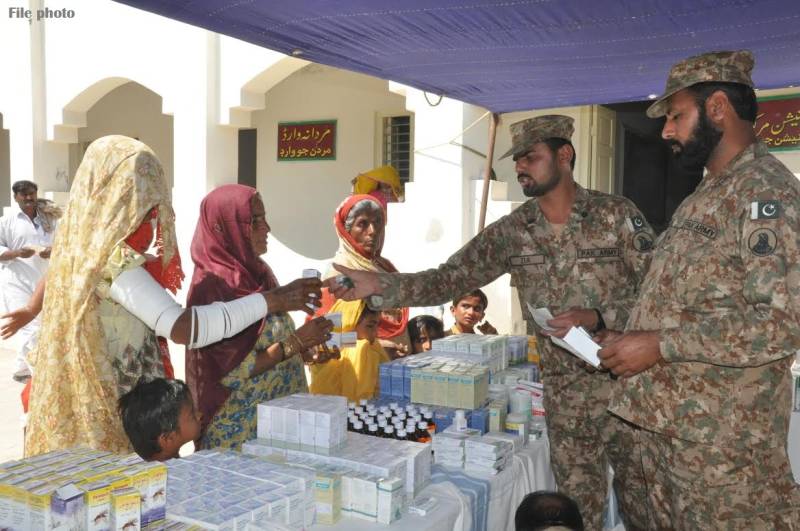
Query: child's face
{"type": "Point", "coordinates": [188, 430]}
{"type": "Point", "coordinates": [468, 311]}
{"type": "Point", "coordinates": [424, 342]}
{"type": "Point", "coordinates": [367, 328]}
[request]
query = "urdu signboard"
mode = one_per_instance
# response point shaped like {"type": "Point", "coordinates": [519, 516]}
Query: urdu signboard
{"type": "Point", "coordinates": [307, 140]}
{"type": "Point", "coordinates": [778, 122]}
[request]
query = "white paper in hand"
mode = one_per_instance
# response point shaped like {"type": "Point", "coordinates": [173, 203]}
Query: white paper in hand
{"type": "Point", "coordinates": [577, 341]}
{"type": "Point", "coordinates": [541, 316]}
{"type": "Point", "coordinates": [583, 345]}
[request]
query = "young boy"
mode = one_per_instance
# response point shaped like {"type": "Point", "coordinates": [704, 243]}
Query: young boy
{"type": "Point", "coordinates": [159, 417]}
{"type": "Point", "coordinates": [468, 310]}
{"type": "Point", "coordinates": [422, 330]}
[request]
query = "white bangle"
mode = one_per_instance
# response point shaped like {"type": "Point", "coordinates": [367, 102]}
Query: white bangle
{"type": "Point", "coordinates": [139, 293]}
{"type": "Point", "coordinates": [221, 320]}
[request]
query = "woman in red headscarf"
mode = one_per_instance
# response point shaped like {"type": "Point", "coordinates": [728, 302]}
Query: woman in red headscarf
{"type": "Point", "coordinates": [229, 378]}
{"type": "Point", "coordinates": [360, 222]}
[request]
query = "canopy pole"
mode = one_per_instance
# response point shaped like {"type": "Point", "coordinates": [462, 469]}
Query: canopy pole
{"type": "Point", "coordinates": [487, 171]}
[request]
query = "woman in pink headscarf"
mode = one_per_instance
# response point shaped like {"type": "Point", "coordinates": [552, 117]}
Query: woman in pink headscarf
{"type": "Point", "coordinates": [229, 378]}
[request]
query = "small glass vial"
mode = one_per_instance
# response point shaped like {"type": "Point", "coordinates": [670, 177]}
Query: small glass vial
{"type": "Point", "coordinates": [402, 435]}
{"type": "Point", "coordinates": [422, 433]}
{"type": "Point", "coordinates": [373, 430]}
{"type": "Point", "coordinates": [388, 432]}
{"type": "Point", "coordinates": [428, 416]}
{"type": "Point", "coordinates": [358, 427]}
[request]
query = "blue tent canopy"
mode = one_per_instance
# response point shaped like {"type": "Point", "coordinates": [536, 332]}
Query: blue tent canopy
{"type": "Point", "coordinates": [510, 55]}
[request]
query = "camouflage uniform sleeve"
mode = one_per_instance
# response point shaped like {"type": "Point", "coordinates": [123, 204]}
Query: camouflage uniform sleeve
{"type": "Point", "coordinates": [764, 327]}
{"type": "Point", "coordinates": [637, 237]}
{"type": "Point", "coordinates": [480, 261]}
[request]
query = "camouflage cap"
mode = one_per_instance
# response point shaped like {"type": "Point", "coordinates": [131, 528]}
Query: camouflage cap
{"type": "Point", "coordinates": [732, 67]}
{"type": "Point", "coordinates": [526, 133]}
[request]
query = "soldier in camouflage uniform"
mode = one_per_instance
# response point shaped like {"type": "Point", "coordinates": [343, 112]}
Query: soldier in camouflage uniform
{"type": "Point", "coordinates": [707, 349]}
{"type": "Point", "coordinates": [580, 253]}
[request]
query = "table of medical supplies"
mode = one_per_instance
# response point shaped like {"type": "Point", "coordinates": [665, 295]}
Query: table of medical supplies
{"type": "Point", "coordinates": [470, 501]}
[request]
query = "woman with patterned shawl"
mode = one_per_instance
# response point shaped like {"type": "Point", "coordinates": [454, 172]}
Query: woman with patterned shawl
{"type": "Point", "coordinates": [98, 335]}
{"type": "Point", "coordinates": [230, 378]}
{"type": "Point", "coordinates": [90, 348]}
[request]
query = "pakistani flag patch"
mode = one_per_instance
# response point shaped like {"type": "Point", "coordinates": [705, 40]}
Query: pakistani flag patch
{"type": "Point", "coordinates": [635, 223]}
{"type": "Point", "coordinates": [765, 209]}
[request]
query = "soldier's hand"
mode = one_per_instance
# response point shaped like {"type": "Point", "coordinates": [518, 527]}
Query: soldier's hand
{"type": "Point", "coordinates": [562, 322]}
{"type": "Point", "coordinates": [591, 369]}
{"type": "Point", "coordinates": [487, 329]}
{"type": "Point", "coordinates": [632, 353]}
{"type": "Point", "coordinates": [606, 336]}
{"type": "Point", "coordinates": [361, 284]}
{"type": "Point", "coordinates": [45, 253]}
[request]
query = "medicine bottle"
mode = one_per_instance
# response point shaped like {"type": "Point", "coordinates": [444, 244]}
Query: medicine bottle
{"type": "Point", "coordinates": [422, 433]}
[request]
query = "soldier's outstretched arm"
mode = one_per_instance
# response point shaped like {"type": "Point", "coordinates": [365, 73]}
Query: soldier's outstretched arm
{"type": "Point", "coordinates": [480, 261]}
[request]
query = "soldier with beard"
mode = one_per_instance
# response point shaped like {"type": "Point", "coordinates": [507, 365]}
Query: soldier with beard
{"type": "Point", "coordinates": [580, 253]}
{"type": "Point", "coordinates": [707, 349]}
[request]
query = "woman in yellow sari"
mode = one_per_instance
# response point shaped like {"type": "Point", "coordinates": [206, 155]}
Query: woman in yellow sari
{"type": "Point", "coordinates": [355, 375]}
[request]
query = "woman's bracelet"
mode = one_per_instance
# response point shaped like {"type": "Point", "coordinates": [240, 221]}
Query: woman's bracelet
{"type": "Point", "coordinates": [291, 346]}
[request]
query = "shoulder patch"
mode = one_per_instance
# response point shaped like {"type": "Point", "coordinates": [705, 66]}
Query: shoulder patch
{"type": "Point", "coordinates": [765, 209]}
{"type": "Point", "coordinates": [762, 242]}
{"type": "Point", "coordinates": [642, 241]}
{"type": "Point", "coordinates": [635, 223]}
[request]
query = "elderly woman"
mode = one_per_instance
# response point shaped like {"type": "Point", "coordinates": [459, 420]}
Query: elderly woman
{"type": "Point", "coordinates": [360, 222]}
{"type": "Point", "coordinates": [229, 378]}
{"type": "Point", "coordinates": [106, 303]}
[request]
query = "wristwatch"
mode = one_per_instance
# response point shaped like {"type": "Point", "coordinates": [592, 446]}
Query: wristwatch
{"type": "Point", "coordinates": [601, 324]}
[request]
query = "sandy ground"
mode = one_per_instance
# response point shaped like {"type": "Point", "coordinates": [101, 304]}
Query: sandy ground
{"type": "Point", "coordinates": [11, 407]}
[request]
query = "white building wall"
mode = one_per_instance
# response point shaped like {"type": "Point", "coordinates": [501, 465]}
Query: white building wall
{"type": "Point", "coordinates": [5, 167]}
{"type": "Point", "coordinates": [301, 196]}
{"type": "Point", "coordinates": [16, 100]}
{"type": "Point", "coordinates": [131, 110]}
